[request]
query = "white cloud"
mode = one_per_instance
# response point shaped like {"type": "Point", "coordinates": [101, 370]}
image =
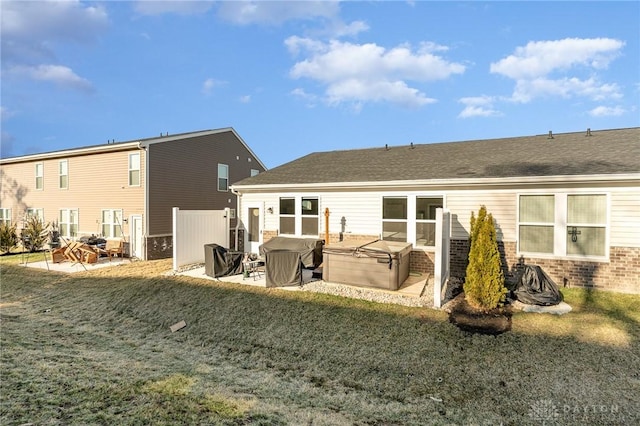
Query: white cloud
{"type": "Point", "coordinates": [526, 90]}
{"type": "Point", "coordinates": [30, 29]}
{"type": "Point", "coordinates": [361, 73]}
{"type": "Point", "coordinates": [276, 12]}
{"type": "Point", "coordinates": [540, 58]}
{"type": "Point", "coordinates": [5, 113]}
{"type": "Point", "coordinates": [211, 83]}
{"type": "Point", "coordinates": [341, 29]}
{"type": "Point", "coordinates": [543, 68]}
{"type": "Point", "coordinates": [603, 111]}
{"type": "Point", "coordinates": [309, 98]}
{"type": "Point", "coordinates": [57, 74]}
{"type": "Point", "coordinates": [361, 91]}
{"type": "Point", "coordinates": [183, 7]}
{"type": "Point", "coordinates": [245, 99]}
{"type": "Point", "coordinates": [479, 106]}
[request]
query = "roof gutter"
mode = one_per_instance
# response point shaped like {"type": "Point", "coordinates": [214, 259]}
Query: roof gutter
{"type": "Point", "coordinates": [73, 152]}
{"type": "Point", "coordinates": [465, 183]}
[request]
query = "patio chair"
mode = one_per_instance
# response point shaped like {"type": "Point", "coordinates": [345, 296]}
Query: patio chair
{"type": "Point", "coordinates": [114, 248]}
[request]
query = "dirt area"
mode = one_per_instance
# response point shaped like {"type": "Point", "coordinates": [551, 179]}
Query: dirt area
{"type": "Point", "coordinates": [468, 318]}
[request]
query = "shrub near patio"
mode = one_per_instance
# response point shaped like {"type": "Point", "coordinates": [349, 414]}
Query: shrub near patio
{"type": "Point", "coordinates": [96, 348]}
{"type": "Point", "coordinates": [484, 287]}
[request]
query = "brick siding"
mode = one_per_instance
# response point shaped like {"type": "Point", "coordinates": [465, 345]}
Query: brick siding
{"type": "Point", "coordinates": [621, 273]}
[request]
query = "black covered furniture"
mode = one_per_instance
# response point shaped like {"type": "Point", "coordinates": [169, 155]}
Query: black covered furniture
{"type": "Point", "coordinates": [221, 262]}
{"type": "Point", "coordinates": [310, 249]}
{"type": "Point", "coordinates": [534, 287]}
{"type": "Point", "coordinates": [283, 268]}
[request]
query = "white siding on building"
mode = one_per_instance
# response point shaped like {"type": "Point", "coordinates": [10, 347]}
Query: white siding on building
{"type": "Point", "coordinates": [501, 204]}
{"type": "Point", "coordinates": [361, 210]}
{"type": "Point", "coordinates": [625, 219]}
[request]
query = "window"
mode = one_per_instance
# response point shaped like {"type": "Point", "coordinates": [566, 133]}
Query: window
{"type": "Point", "coordinates": [63, 173]}
{"type": "Point", "coordinates": [254, 224]}
{"type": "Point", "coordinates": [223, 177]}
{"type": "Point", "coordinates": [537, 220]}
{"type": "Point", "coordinates": [111, 223]}
{"type": "Point", "coordinates": [288, 216]}
{"type": "Point", "coordinates": [394, 218]}
{"type": "Point", "coordinates": [33, 212]}
{"type": "Point", "coordinates": [39, 176]}
{"type": "Point", "coordinates": [586, 225]}
{"type": "Point", "coordinates": [68, 223]}
{"type": "Point", "coordinates": [254, 172]}
{"type": "Point", "coordinates": [299, 215]}
{"type": "Point", "coordinates": [5, 216]}
{"type": "Point", "coordinates": [426, 220]}
{"type": "Point", "coordinates": [309, 214]}
{"type": "Point", "coordinates": [563, 224]}
{"type": "Point", "coordinates": [134, 169]}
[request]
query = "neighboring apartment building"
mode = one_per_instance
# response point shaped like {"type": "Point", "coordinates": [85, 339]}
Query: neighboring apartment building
{"type": "Point", "coordinates": [128, 189]}
{"type": "Point", "coordinates": [568, 202]}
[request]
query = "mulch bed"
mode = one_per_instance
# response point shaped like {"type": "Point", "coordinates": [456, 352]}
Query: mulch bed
{"type": "Point", "coordinates": [470, 319]}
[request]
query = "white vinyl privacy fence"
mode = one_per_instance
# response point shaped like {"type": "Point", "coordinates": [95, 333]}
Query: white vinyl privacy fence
{"type": "Point", "coordinates": [441, 267]}
{"type": "Point", "coordinates": [192, 229]}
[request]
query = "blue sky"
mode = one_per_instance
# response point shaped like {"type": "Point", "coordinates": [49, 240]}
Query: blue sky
{"type": "Point", "coordinates": [298, 77]}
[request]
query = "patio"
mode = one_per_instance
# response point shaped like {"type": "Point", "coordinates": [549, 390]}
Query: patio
{"type": "Point", "coordinates": [71, 267]}
{"type": "Point", "coordinates": [417, 289]}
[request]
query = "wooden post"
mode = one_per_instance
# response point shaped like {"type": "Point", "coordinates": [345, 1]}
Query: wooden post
{"type": "Point", "coordinates": [326, 225]}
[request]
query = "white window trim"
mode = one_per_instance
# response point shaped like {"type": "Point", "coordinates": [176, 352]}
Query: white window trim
{"type": "Point", "coordinates": [131, 169]}
{"type": "Point", "coordinates": [411, 214]}
{"type": "Point", "coordinates": [560, 227]}
{"type": "Point", "coordinates": [298, 215]}
{"type": "Point", "coordinates": [226, 168]}
{"type": "Point", "coordinates": [281, 215]}
{"type": "Point", "coordinates": [60, 222]}
{"type": "Point", "coordinates": [406, 221]}
{"type": "Point", "coordinates": [112, 224]}
{"type": "Point", "coordinates": [40, 175]}
{"type": "Point", "coordinates": [301, 216]}
{"type": "Point", "coordinates": [60, 174]}
{"type": "Point", "coordinates": [33, 211]}
{"type": "Point", "coordinates": [6, 216]}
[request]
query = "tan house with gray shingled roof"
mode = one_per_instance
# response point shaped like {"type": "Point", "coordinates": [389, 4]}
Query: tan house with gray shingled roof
{"type": "Point", "coordinates": [568, 202]}
{"type": "Point", "coordinates": [127, 190]}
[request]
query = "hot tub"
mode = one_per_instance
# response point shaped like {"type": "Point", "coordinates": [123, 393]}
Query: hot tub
{"type": "Point", "coordinates": [377, 264]}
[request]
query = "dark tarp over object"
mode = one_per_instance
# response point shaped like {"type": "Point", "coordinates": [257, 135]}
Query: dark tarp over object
{"type": "Point", "coordinates": [534, 287]}
{"type": "Point", "coordinates": [283, 268]}
{"type": "Point", "coordinates": [310, 249]}
{"type": "Point", "coordinates": [220, 262]}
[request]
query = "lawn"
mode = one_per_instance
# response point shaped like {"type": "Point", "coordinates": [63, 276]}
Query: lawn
{"type": "Point", "coordinates": [96, 348]}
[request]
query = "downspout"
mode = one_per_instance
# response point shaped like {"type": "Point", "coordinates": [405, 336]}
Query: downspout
{"type": "Point", "coordinates": [238, 196]}
{"type": "Point", "coordinates": [145, 211]}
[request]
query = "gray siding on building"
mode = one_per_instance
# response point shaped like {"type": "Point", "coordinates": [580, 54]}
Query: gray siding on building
{"type": "Point", "coordinates": [174, 167]}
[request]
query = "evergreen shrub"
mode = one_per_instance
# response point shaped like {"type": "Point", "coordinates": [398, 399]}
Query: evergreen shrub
{"type": "Point", "coordinates": [484, 285]}
{"type": "Point", "coordinates": [8, 237]}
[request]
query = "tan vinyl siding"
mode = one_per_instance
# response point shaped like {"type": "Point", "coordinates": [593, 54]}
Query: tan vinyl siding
{"type": "Point", "coordinates": [96, 182]}
{"type": "Point", "coordinates": [184, 173]}
{"type": "Point", "coordinates": [625, 219]}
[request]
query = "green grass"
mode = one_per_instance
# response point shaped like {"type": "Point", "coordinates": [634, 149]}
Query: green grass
{"type": "Point", "coordinates": [96, 348]}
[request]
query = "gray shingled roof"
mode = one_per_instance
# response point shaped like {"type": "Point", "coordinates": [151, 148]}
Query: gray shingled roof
{"type": "Point", "coordinates": [604, 152]}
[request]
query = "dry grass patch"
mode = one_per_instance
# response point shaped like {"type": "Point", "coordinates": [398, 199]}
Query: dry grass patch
{"type": "Point", "coordinates": [95, 348]}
